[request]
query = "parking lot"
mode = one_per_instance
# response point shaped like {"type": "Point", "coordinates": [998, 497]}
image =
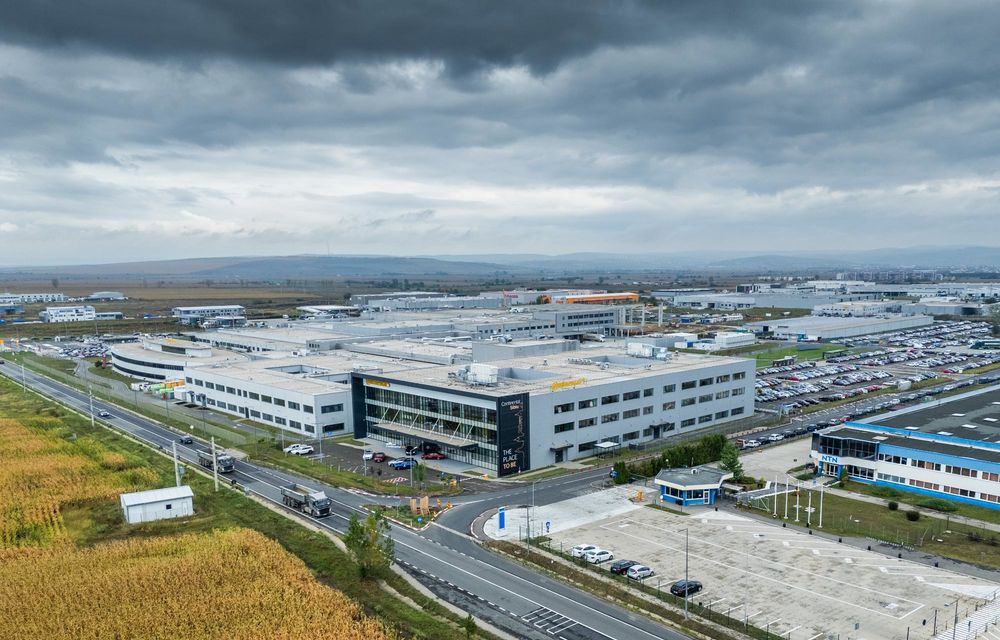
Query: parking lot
{"type": "Point", "coordinates": [797, 586]}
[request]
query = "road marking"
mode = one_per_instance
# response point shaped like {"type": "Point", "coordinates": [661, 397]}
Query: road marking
{"type": "Point", "coordinates": [789, 632]}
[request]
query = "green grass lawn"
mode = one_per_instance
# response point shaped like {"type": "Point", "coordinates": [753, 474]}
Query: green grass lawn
{"type": "Point", "coordinates": [847, 517]}
{"type": "Point", "coordinates": [93, 522]}
{"type": "Point", "coordinates": [766, 358]}
{"type": "Point", "coordinates": [109, 373]}
{"type": "Point", "coordinates": [902, 497]}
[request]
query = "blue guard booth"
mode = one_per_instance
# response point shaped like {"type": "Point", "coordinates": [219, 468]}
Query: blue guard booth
{"type": "Point", "coordinates": [695, 486]}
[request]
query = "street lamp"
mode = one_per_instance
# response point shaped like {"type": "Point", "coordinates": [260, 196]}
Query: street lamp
{"type": "Point", "coordinates": [686, 585]}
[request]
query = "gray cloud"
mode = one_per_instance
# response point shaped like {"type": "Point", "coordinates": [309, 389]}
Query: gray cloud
{"type": "Point", "coordinates": [454, 127]}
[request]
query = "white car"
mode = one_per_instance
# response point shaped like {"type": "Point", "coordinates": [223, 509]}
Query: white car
{"type": "Point", "coordinates": [775, 437]}
{"type": "Point", "coordinates": [368, 454]}
{"type": "Point", "coordinates": [639, 572]}
{"type": "Point", "coordinates": [751, 444]}
{"type": "Point", "coordinates": [299, 449]}
{"type": "Point", "coordinates": [581, 550]}
{"type": "Point", "coordinates": [598, 556]}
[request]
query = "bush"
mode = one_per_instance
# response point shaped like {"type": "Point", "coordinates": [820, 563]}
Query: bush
{"type": "Point", "coordinates": [912, 515]}
{"type": "Point", "coordinates": [938, 504]}
{"type": "Point", "coordinates": [893, 505]}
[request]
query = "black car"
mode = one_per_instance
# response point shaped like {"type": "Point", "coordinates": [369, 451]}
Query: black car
{"type": "Point", "coordinates": [812, 427]}
{"type": "Point", "coordinates": [185, 440]}
{"type": "Point", "coordinates": [683, 588]}
{"type": "Point", "coordinates": [621, 566]}
{"type": "Point", "coordinates": [800, 431]}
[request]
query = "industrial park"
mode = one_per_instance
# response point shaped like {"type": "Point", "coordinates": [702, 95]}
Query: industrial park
{"type": "Point", "coordinates": [466, 320]}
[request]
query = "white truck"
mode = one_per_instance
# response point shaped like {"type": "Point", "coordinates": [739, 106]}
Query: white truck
{"type": "Point", "coordinates": [308, 501]}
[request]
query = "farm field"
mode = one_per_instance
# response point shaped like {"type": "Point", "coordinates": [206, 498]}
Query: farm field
{"type": "Point", "coordinates": [65, 552]}
{"type": "Point", "coordinates": [232, 584]}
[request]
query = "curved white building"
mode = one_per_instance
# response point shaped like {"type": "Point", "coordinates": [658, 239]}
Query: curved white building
{"type": "Point", "coordinates": [166, 358]}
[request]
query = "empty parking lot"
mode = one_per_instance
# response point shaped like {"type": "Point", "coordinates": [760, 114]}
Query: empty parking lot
{"type": "Point", "coordinates": [799, 586]}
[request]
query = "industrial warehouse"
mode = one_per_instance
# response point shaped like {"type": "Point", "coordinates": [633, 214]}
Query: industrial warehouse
{"type": "Point", "coordinates": [950, 451]}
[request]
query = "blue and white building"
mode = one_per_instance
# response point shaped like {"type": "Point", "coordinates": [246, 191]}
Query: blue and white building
{"type": "Point", "coordinates": [696, 486]}
{"type": "Point", "coordinates": [956, 462]}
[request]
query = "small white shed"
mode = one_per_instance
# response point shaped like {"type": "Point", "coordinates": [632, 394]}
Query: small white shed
{"type": "Point", "coordinates": [158, 504]}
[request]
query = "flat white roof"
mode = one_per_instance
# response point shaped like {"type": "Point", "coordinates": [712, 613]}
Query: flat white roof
{"type": "Point", "coordinates": [156, 495]}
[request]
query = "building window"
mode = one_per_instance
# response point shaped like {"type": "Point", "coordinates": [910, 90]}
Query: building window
{"type": "Point", "coordinates": [960, 471]}
{"type": "Point", "coordinates": [279, 402]}
{"type": "Point", "coordinates": [587, 404]}
{"type": "Point", "coordinates": [254, 413]}
{"type": "Point", "coordinates": [254, 396]}
{"type": "Point", "coordinates": [330, 408]}
{"type": "Point", "coordinates": [704, 419]}
{"type": "Point", "coordinates": [884, 457]}
{"type": "Point", "coordinates": [293, 405]}
{"type": "Point", "coordinates": [737, 411]}
{"type": "Point", "coordinates": [690, 384]}
{"type": "Point", "coordinates": [705, 398]}
{"type": "Point", "coordinates": [924, 485]}
{"type": "Point", "coordinates": [267, 416]}
{"type": "Point", "coordinates": [587, 422]}
{"type": "Point", "coordinates": [891, 478]}
{"type": "Point", "coordinates": [719, 415]}
{"type": "Point", "coordinates": [564, 427]}
{"type": "Point", "coordinates": [992, 477]}
{"type": "Point", "coordinates": [630, 395]}
{"type": "Point", "coordinates": [704, 382]}
{"type": "Point", "coordinates": [199, 383]}
{"type": "Point", "coordinates": [687, 402]}
{"type": "Point", "coordinates": [586, 446]}
{"type": "Point", "coordinates": [989, 497]}
{"type": "Point", "coordinates": [646, 411]}
{"type": "Point", "coordinates": [668, 426]}
{"type": "Point", "coordinates": [739, 375]}
{"type": "Point", "coordinates": [563, 408]}
{"type": "Point", "coordinates": [965, 493]}
{"type": "Point", "coordinates": [631, 435]}
{"type": "Point", "coordinates": [669, 406]}
{"type": "Point", "coordinates": [229, 390]}
{"type": "Point", "coordinates": [610, 417]}
{"type": "Point", "coordinates": [631, 413]}
{"type": "Point", "coordinates": [647, 432]}
{"type": "Point", "coordinates": [310, 428]}
{"type": "Point", "coordinates": [307, 408]}
{"type": "Point", "coordinates": [722, 394]}
{"type": "Point", "coordinates": [188, 380]}
{"type": "Point", "coordinates": [923, 464]}
{"type": "Point", "coordinates": [295, 424]}
{"type": "Point", "coordinates": [720, 379]}
{"type": "Point", "coordinates": [331, 428]}
{"type": "Point", "coordinates": [266, 399]}
{"type": "Point", "coordinates": [739, 391]}
{"type": "Point", "coordinates": [279, 420]}
{"type": "Point", "coordinates": [647, 393]}
{"type": "Point", "coordinates": [231, 407]}
{"type": "Point", "coordinates": [687, 423]}
{"type": "Point", "coordinates": [609, 399]}
{"type": "Point", "coordinates": [670, 388]}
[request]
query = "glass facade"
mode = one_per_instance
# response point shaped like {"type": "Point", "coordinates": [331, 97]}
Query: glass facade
{"type": "Point", "coordinates": [439, 418]}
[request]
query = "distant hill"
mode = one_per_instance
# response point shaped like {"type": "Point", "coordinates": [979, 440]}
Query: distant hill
{"type": "Point", "coordinates": [272, 268]}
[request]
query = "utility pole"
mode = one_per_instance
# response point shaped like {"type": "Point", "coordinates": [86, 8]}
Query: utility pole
{"type": "Point", "coordinates": [809, 510]}
{"type": "Point", "coordinates": [215, 466]}
{"type": "Point", "coordinates": [775, 496]}
{"type": "Point", "coordinates": [786, 498]}
{"type": "Point", "coordinates": [796, 504]}
{"type": "Point", "coordinates": [687, 585]}
{"type": "Point", "coordinates": [177, 469]}
{"type": "Point", "coordinates": [820, 506]}
{"type": "Point", "coordinates": [90, 394]}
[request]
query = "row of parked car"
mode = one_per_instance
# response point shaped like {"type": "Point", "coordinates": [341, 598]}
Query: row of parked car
{"type": "Point", "coordinates": [941, 334]}
{"type": "Point", "coordinates": [630, 568]}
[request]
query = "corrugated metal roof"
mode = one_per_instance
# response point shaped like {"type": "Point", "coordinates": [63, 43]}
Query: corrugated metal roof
{"type": "Point", "coordinates": [156, 495]}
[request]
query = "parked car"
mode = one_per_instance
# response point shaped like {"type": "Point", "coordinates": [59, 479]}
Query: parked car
{"type": "Point", "coordinates": [185, 440]}
{"type": "Point", "coordinates": [581, 550]}
{"type": "Point", "coordinates": [299, 449]}
{"type": "Point", "coordinates": [621, 566]}
{"type": "Point", "coordinates": [775, 437]}
{"type": "Point", "coordinates": [683, 588]}
{"type": "Point", "coordinates": [434, 455]}
{"type": "Point", "coordinates": [403, 463]}
{"type": "Point", "coordinates": [751, 444]}
{"type": "Point", "coordinates": [639, 572]}
{"type": "Point", "coordinates": [368, 454]}
{"type": "Point", "coordinates": [378, 457]}
{"type": "Point", "coordinates": [104, 414]}
{"type": "Point", "coordinates": [597, 556]}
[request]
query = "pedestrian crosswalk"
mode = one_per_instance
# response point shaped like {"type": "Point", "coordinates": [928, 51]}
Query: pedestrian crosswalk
{"type": "Point", "coordinates": [548, 621]}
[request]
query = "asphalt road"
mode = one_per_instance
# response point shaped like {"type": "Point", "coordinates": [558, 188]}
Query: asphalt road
{"type": "Point", "coordinates": [523, 602]}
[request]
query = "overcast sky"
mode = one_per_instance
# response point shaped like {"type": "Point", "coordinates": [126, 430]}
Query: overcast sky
{"type": "Point", "coordinates": [145, 130]}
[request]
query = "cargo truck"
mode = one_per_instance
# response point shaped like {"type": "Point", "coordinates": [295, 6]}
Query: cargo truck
{"type": "Point", "coordinates": [306, 500]}
{"type": "Point", "coordinates": [227, 464]}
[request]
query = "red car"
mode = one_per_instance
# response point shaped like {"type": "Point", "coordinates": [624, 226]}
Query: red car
{"type": "Point", "coordinates": [433, 456]}
{"type": "Point", "coordinates": [378, 457]}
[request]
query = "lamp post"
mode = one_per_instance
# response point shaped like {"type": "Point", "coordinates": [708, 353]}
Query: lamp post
{"type": "Point", "coordinates": [686, 584]}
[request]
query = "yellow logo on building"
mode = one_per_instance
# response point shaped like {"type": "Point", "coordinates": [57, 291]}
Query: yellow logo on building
{"type": "Point", "coordinates": [377, 383]}
{"type": "Point", "coordinates": [565, 384]}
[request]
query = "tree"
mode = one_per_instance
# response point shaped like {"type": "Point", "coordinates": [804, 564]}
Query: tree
{"type": "Point", "coordinates": [469, 626]}
{"type": "Point", "coordinates": [370, 544]}
{"type": "Point", "coordinates": [419, 473]}
{"type": "Point", "coordinates": [730, 461]}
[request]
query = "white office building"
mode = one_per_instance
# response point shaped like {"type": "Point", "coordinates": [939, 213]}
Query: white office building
{"type": "Point", "coordinates": [165, 359]}
{"type": "Point", "coordinates": [197, 315]}
{"type": "Point", "coordinates": [68, 314]}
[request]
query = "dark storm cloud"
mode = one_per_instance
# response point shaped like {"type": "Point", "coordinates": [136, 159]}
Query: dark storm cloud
{"type": "Point", "coordinates": [466, 34]}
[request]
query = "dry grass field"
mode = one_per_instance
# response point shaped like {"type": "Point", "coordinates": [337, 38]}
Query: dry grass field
{"type": "Point", "coordinates": [231, 584]}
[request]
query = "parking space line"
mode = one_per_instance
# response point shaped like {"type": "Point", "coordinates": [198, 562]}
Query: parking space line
{"type": "Point", "coordinates": [755, 614]}
{"type": "Point", "coordinates": [817, 635]}
{"type": "Point", "coordinates": [789, 632]}
{"type": "Point", "coordinates": [714, 602]}
{"type": "Point", "coordinates": [773, 621]}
